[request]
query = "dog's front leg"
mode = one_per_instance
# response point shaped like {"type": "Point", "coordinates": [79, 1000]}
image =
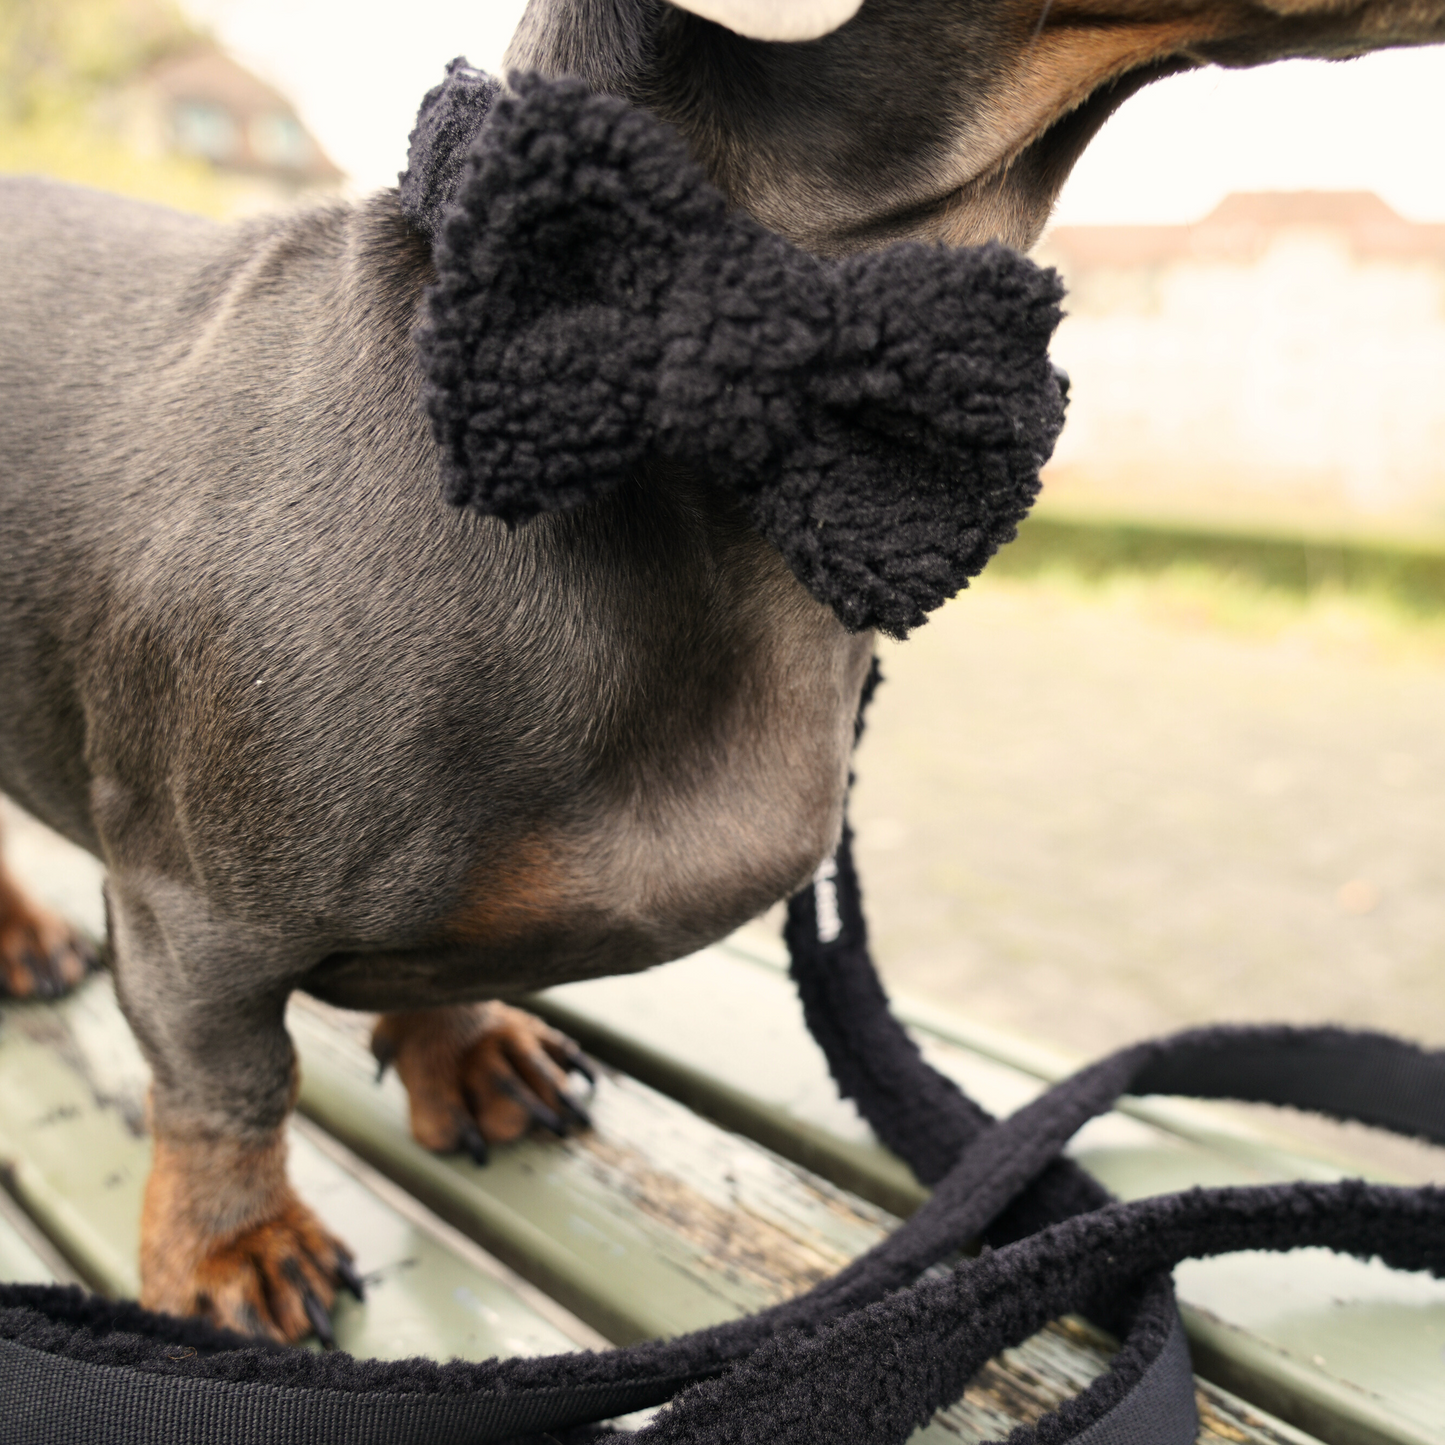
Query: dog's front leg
{"type": "Point", "coordinates": [41, 956]}
{"type": "Point", "coordinates": [480, 1074]}
{"type": "Point", "coordinates": [223, 1235]}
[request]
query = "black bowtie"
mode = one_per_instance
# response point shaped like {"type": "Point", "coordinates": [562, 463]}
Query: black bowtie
{"type": "Point", "coordinates": [882, 418]}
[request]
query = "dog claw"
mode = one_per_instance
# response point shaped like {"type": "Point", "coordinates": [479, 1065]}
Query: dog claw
{"type": "Point", "coordinates": [576, 1062]}
{"type": "Point", "coordinates": [473, 1142]}
{"type": "Point", "coordinates": [346, 1273]}
{"type": "Point", "coordinates": [315, 1310]}
{"type": "Point", "coordinates": [573, 1108]}
{"type": "Point", "coordinates": [383, 1050]}
{"type": "Point", "coordinates": [541, 1114]}
{"type": "Point", "coordinates": [320, 1320]}
{"type": "Point", "coordinates": [46, 984]}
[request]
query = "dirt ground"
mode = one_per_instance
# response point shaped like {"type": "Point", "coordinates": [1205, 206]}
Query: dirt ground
{"type": "Point", "coordinates": [1090, 814]}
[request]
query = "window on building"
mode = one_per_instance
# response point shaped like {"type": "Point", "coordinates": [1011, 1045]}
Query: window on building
{"type": "Point", "coordinates": [278, 140]}
{"type": "Point", "coordinates": [204, 128]}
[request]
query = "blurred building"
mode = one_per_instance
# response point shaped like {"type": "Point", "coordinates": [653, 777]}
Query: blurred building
{"type": "Point", "coordinates": [1283, 359]}
{"type": "Point", "coordinates": [201, 104]}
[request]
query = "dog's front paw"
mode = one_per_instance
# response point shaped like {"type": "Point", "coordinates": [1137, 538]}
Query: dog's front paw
{"type": "Point", "coordinates": [277, 1279]}
{"type": "Point", "coordinates": [41, 956]}
{"type": "Point", "coordinates": [482, 1074]}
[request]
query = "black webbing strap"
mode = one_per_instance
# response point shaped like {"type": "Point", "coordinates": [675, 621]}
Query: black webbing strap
{"type": "Point", "coordinates": [60, 1401]}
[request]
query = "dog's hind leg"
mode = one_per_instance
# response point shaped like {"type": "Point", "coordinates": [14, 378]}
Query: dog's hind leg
{"type": "Point", "coordinates": [481, 1074]}
{"type": "Point", "coordinates": [223, 1234]}
{"type": "Point", "coordinates": [41, 956]}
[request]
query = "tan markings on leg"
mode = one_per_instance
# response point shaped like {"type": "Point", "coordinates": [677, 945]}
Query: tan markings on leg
{"type": "Point", "coordinates": [426, 1048]}
{"type": "Point", "coordinates": [507, 898]}
{"type": "Point", "coordinates": [487, 1065]}
{"type": "Point", "coordinates": [224, 1236]}
{"type": "Point", "coordinates": [40, 955]}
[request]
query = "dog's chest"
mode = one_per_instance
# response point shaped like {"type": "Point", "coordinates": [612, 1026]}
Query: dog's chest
{"type": "Point", "coordinates": [585, 746]}
{"type": "Point", "coordinates": [606, 805]}
{"type": "Point", "coordinates": [658, 747]}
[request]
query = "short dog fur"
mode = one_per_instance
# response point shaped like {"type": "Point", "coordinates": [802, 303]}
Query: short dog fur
{"type": "Point", "coordinates": [327, 734]}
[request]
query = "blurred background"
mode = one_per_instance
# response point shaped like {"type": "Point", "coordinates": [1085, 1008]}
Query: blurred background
{"type": "Point", "coordinates": [1179, 756]}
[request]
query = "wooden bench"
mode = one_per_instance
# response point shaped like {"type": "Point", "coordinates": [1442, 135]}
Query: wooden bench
{"type": "Point", "coordinates": [723, 1174]}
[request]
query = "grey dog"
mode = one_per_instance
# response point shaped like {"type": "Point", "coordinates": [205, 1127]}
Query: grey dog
{"type": "Point", "coordinates": [327, 734]}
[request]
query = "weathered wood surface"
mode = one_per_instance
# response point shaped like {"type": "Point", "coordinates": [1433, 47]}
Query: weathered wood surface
{"type": "Point", "coordinates": [72, 1137]}
{"type": "Point", "coordinates": [658, 1221]}
{"type": "Point", "coordinates": [735, 1226]}
{"type": "Point", "coordinates": [1352, 1350]}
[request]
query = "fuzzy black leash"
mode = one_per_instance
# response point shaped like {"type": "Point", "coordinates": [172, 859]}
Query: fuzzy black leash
{"type": "Point", "coordinates": [591, 280]}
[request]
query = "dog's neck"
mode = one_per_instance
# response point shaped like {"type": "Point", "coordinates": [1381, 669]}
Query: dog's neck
{"type": "Point", "coordinates": [942, 120]}
{"type": "Point", "coordinates": [911, 121]}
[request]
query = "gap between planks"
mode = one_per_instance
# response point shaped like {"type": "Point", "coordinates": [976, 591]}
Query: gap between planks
{"type": "Point", "coordinates": [452, 1240]}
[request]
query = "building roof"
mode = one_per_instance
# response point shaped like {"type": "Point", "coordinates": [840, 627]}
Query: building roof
{"type": "Point", "coordinates": [219, 110]}
{"type": "Point", "coordinates": [1242, 227]}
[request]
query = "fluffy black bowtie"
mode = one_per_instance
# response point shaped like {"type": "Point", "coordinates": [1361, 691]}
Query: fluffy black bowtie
{"type": "Point", "coordinates": [882, 418]}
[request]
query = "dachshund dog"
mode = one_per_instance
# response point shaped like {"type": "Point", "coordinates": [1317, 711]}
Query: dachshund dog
{"type": "Point", "coordinates": [328, 734]}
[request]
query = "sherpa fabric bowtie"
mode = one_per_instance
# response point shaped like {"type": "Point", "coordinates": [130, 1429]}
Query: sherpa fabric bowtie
{"type": "Point", "coordinates": [882, 418]}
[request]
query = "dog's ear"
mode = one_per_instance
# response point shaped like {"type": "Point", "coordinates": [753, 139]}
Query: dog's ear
{"type": "Point", "coordinates": [775, 19]}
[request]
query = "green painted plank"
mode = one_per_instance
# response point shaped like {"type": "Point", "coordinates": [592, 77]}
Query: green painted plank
{"type": "Point", "coordinates": [654, 1224]}
{"type": "Point", "coordinates": [26, 1256]}
{"type": "Point", "coordinates": [76, 1164]}
{"type": "Point", "coordinates": [1315, 1337]}
{"type": "Point", "coordinates": [1300, 1333]}
{"type": "Point", "coordinates": [72, 1136]}
{"type": "Point", "coordinates": [659, 1221]}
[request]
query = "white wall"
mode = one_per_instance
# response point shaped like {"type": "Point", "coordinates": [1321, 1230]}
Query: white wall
{"type": "Point", "coordinates": [1310, 380]}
